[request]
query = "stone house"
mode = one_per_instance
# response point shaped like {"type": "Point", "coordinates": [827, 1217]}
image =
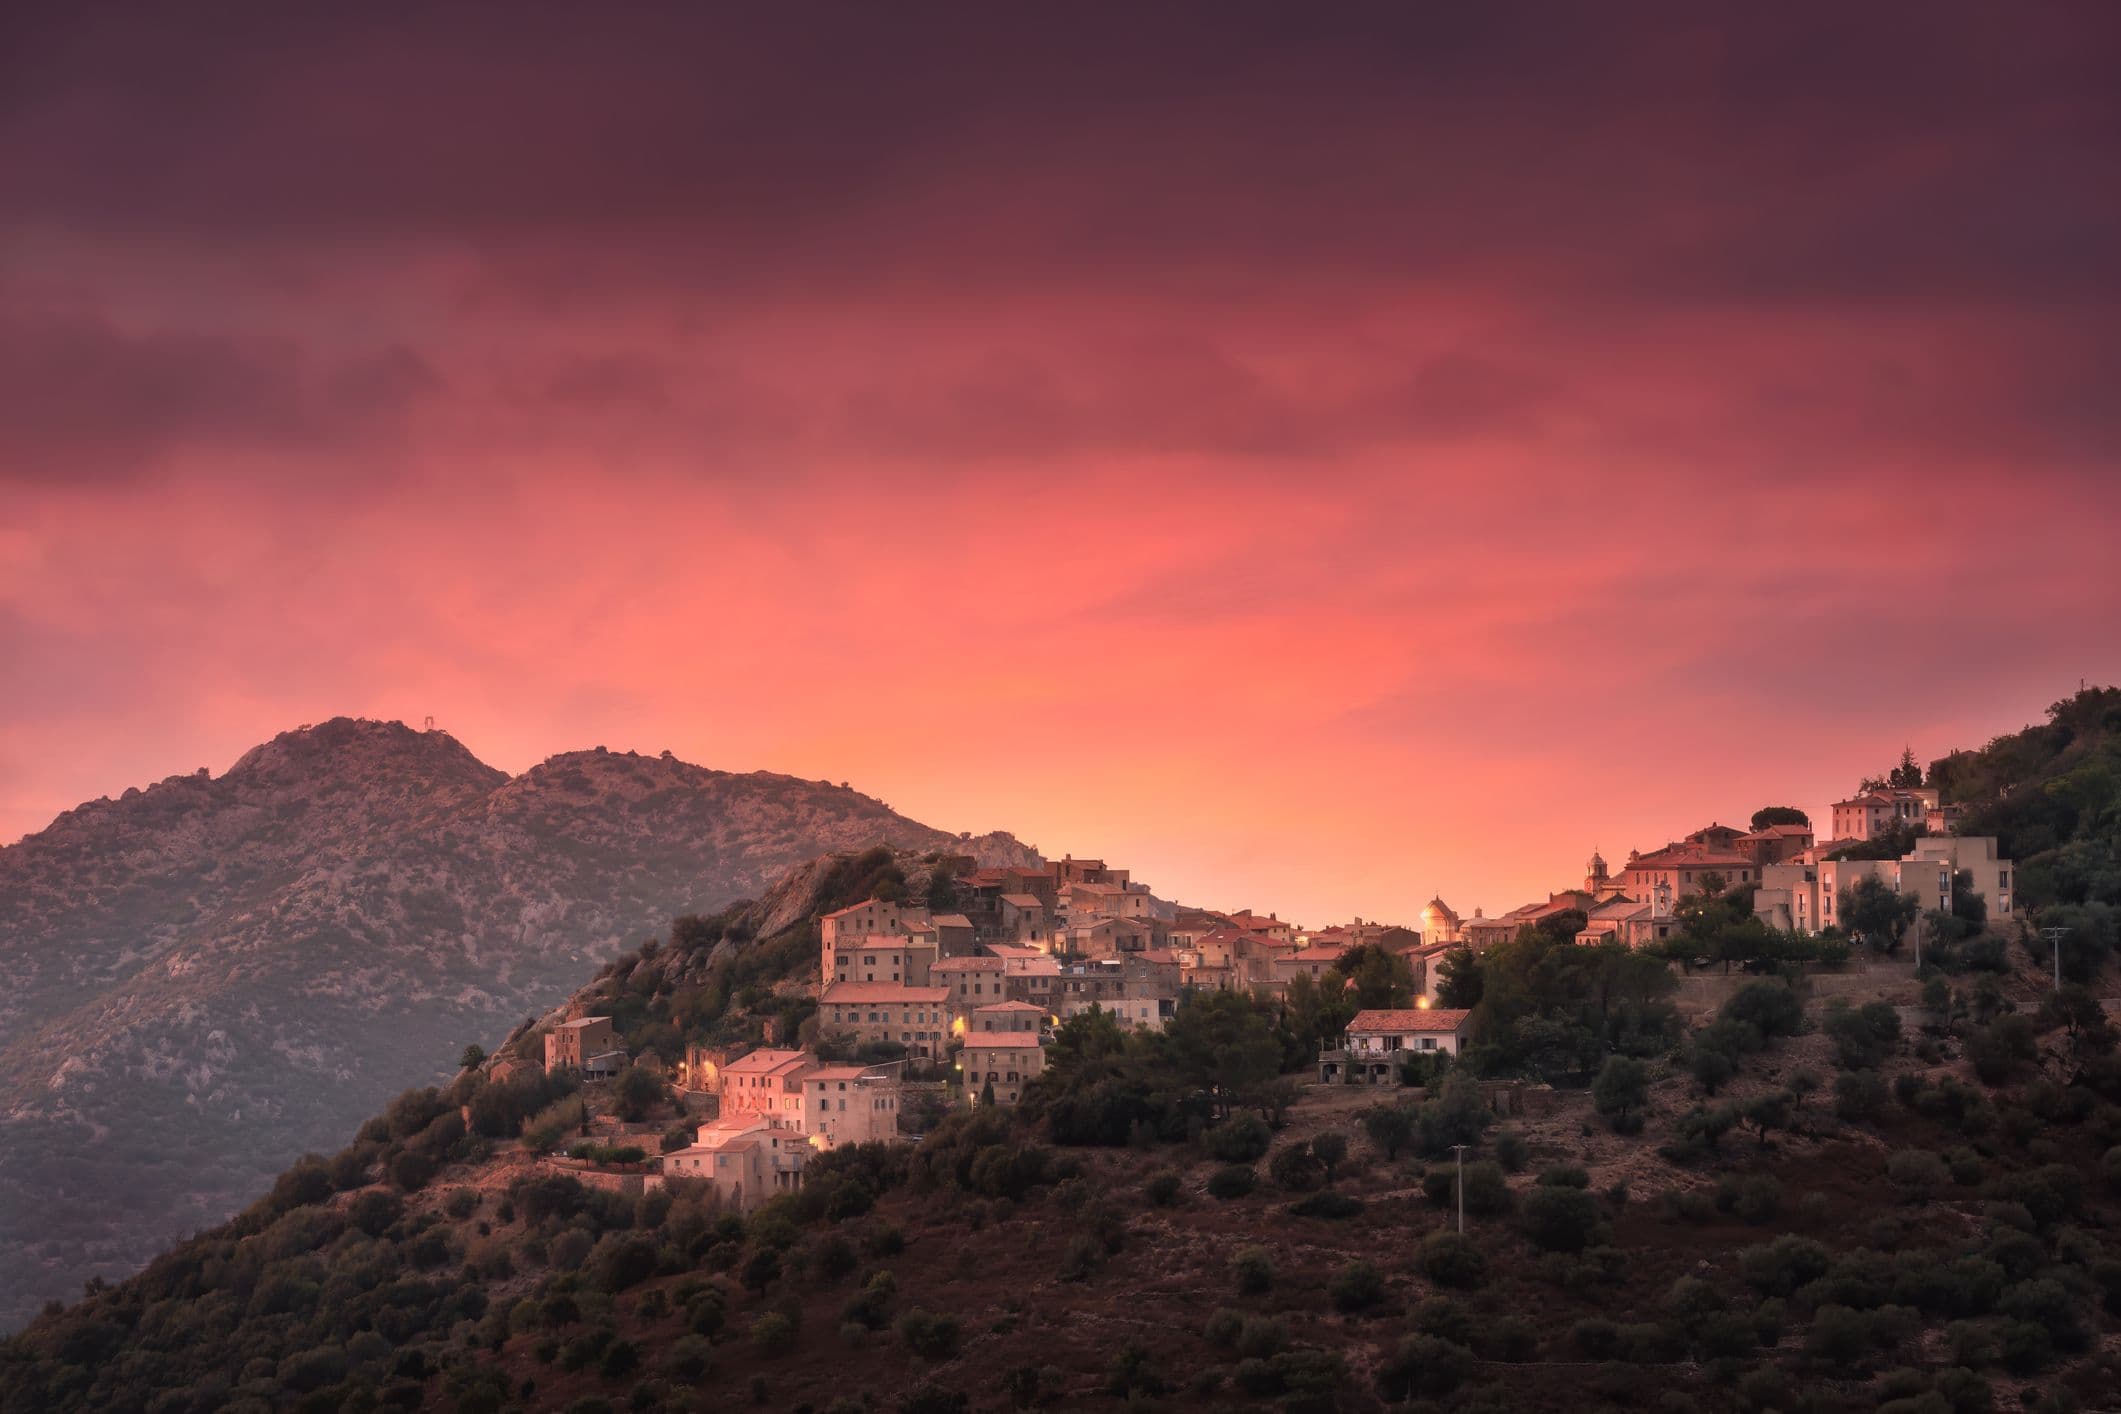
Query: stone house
{"type": "Point", "coordinates": [1004, 1059]}
{"type": "Point", "coordinates": [587, 1045]}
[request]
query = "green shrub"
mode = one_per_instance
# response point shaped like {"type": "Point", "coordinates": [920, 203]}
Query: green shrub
{"type": "Point", "coordinates": [1859, 1095]}
{"type": "Point", "coordinates": [1424, 1365]}
{"type": "Point", "coordinates": [1162, 1189]}
{"type": "Point", "coordinates": [1223, 1327]}
{"type": "Point", "coordinates": [623, 1357]}
{"type": "Point", "coordinates": [1329, 1205]}
{"type": "Point", "coordinates": [1513, 1339]}
{"type": "Point", "coordinates": [1133, 1371]}
{"type": "Point", "coordinates": [1779, 1267]}
{"type": "Point", "coordinates": [1241, 1139]}
{"type": "Point", "coordinates": [1451, 1259]}
{"type": "Point", "coordinates": [1596, 1338]}
{"type": "Point", "coordinates": [1863, 1036]}
{"type": "Point", "coordinates": [1083, 1259]}
{"type": "Point", "coordinates": [1759, 1198]}
{"type": "Point", "coordinates": [773, 1333]}
{"type": "Point", "coordinates": [1561, 1219]}
{"type": "Point", "coordinates": [1252, 1268]}
{"type": "Point", "coordinates": [930, 1336]}
{"type": "Point", "coordinates": [1233, 1181]}
{"type": "Point", "coordinates": [1512, 1151]}
{"type": "Point", "coordinates": [1917, 1173]}
{"type": "Point", "coordinates": [1487, 1191]}
{"type": "Point", "coordinates": [1621, 1092]}
{"type": "Point", "coordinates": [622, 1260]}
{"type": "Point", "coordinates": [2001, 1051]}
{"type": "Point", "coordinates": [690, 1358]}
{"type": "Point", "coordinates": [1262, 1336]}
{"type": "Point", "coordinates": [1356, 1287]}
{"type": "Point", "coordinates": [1295, 1169]}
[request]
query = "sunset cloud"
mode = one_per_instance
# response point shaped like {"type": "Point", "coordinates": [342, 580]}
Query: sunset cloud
{"type": "Point", "coordinates": [1317, 458]}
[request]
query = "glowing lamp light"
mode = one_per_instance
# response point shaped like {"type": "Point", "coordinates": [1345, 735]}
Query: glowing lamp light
{"type": "Point", "coordinates": [1421, 1003]}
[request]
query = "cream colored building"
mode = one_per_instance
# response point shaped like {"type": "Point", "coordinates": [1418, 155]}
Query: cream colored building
{"type": "Point", "coordinates": [1627, 921]}
{"type": "Point", "coordinates": [1806, 898]}
{"type": "Point", "coordinates": [850, 926]}
{"type": "Point", "coordinates": [1869, 814]}
{"type": "Point", "coordinates": [1377, 1041]}
{"type": "Point", "coordinates": [765, 1082]}
{"type": "Point", "coordinates": [827, 1104]}
{"type": "Point", "coordinates": [866, 1012]}
{"type": "Point", "coordinates": [850, 1104]}
{"type": "Point", "coordinates": [746, 1158]}
{"type": "Point", "coordinates": [1686, 868]}
{"type": "Point", "coordinates": [1007, 1016]}
{"type": "Point", "coordinates": [1007, 1060]}
{"type": "Point", "coordinates": [1993, 878]}
{"type": "Point", "coordinates": [905, 959]}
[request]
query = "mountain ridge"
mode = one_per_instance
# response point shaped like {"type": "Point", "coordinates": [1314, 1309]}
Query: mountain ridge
{"type": "Point", "coordinates": [202, 978]}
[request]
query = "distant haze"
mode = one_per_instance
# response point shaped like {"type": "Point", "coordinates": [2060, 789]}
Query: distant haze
{"type": "Point", "coordinates": [1314, 459]}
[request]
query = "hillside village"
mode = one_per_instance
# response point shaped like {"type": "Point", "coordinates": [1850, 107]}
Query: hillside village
{"type": "Point", "coordinates": [915, 1133]}
{"type": "Point", "coordinates": [963, 999]}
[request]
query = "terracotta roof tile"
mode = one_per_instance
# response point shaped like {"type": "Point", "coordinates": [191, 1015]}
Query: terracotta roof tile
{"type": "Point", "coordinates": [1401, 1021]}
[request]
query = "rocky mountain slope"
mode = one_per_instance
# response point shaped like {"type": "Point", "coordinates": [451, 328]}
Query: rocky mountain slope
{"type": "Point", "coordinates": [200, 980]}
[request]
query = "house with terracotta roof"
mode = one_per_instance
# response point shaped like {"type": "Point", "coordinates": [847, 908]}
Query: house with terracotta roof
{"type": "Point", "coordinates": [1000, 1064]}
{"type": "Point", "coordinates": [1776, 844]}
{"type": "Point", "coordinates": [763, 1082]}
{"type": "Point", "coordinates": [868, 1013]}
{"type": "Point", "coordinates": [970, 981]}
{"type": "Point", "coordinates": [1681, 868]}
{"type": "Point", "coordinates": [1024, 919]}
{"type": "Point", "coordinates": [1007, 1016]}
{"type": "Point", "coordinates": [849, 1104]}
{"type": "Point", "coordinates": [1624, 920]}
{"type": "Point", "coordinates": [845, 927]}
{"type": "Point", "coordinates": [1070, 870]}
{"type": "Point", "coordinates": [1481, 932]}
{"type": "Point", "coordinates": [1270, 926]}
{"type": "Point", "coordinates": [1313, 962]}
{"type": "Point", "coordinates": [1378, 1041]}
{"type": "Point", "coordinates": [1109, 936]}
{"type": "Point", "coordinates": [1868, 814]}
{"type": "Point", "coordinates": [745, 1158]}
{"type": "Point", "coordinates": [828, 1104]}
{"type": "Point", "coordinates": [586, 1045]}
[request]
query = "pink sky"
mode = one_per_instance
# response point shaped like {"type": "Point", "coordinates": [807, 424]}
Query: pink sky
{"type": "Point", "coordinates": [1314, 462]}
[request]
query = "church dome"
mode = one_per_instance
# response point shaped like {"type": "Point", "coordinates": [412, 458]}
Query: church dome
{"type": "Point", "coordinates": [1439, 923]}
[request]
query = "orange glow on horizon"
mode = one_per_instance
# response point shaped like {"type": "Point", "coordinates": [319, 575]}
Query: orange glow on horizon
{"type": "Point", "coordinates": [1314, 487]}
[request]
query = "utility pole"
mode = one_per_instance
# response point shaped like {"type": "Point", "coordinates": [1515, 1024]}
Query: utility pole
{"type": "Point", "coordinates": [2054, 938]}
{"type": "Point", "coordinates": [1460, 1150]}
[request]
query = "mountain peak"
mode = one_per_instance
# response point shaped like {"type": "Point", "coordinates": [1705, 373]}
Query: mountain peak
{"type": "Point", "coordinates": [351, 745]}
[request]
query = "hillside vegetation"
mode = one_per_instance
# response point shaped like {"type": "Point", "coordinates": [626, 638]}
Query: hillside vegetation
{"type": "Point", "coordinates": [2051, 795]}
{"type": "Point", "coordinates": [1849, 1209]}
